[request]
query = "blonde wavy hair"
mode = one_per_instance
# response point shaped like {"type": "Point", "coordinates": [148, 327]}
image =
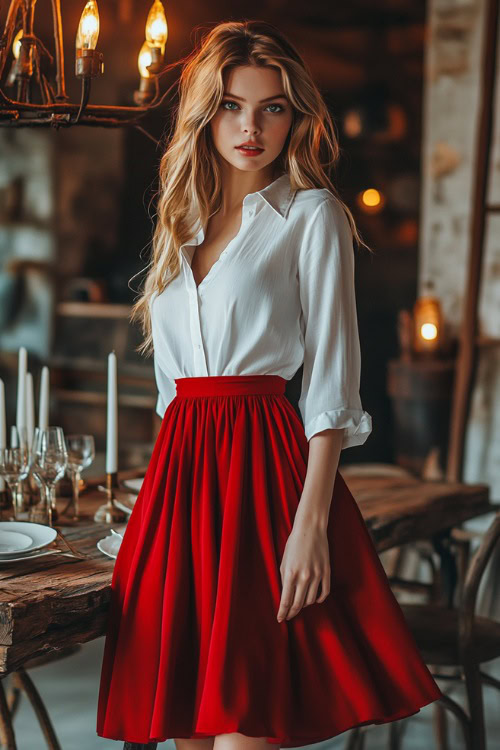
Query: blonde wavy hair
{"type": "Point", "coordinates": [189, 172]}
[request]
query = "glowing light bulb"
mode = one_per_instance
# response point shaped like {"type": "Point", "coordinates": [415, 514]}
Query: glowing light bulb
{"type": "Point", "coordinates": [144, 60]}
{"type": "Point", "coordinates": [88, 28]}
{"type": "Point", "coordinates": [428, 331]}
{"type": "Point", "coordinates": [16, 44]}
{"type": "Point", "coordinates": [156, 26]}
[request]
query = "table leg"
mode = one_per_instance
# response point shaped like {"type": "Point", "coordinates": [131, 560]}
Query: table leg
{"type": "Point", "coordinates": [6, 729]}
{"type": "Point", "coordinates": [26, 683]}
{"type": "Point", "coordinates": [449, 573]}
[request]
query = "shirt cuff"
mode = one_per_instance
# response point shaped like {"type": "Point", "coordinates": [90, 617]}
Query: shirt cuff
{"type": "Point", "coordinates": [357, 425]}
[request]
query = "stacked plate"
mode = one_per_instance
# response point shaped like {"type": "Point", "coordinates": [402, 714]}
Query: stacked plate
{"type": "Point", "coordinates": [22, 540]}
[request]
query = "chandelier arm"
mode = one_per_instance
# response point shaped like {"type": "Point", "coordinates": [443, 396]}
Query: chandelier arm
{"type": "Point", "coordinates": [7, 36]}
{"type": "Point", "coordinates": [46, 89]}
{"type": "Point", "coordinates": [58, 41]}
{"type": "Point", "coordinates": [148, 135]}
{"type": "Point", "coordinates": [39, 43]}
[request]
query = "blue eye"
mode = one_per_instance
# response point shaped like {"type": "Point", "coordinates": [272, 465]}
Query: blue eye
{"type": "Point", "coordinates": [230, 109]}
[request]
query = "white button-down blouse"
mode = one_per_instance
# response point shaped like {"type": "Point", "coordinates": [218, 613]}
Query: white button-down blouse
{"type": "Point", "coordinates": [280, 295]}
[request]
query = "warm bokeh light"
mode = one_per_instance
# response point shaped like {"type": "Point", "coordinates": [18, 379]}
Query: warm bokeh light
{"type": "Point", "coordinates": [371, 201]}
{"type": "Point", "coordinates": [353, 125]}
{"type": "Point", "coordinates": [144, 60]}
{"type": "Point", "coordinates": [16, 44]}
{"type": "Point", "coordinates": [428, 331]}
{"type": "Point", "coordinates": [88, 28]}
{"type": "Point", "coordinates": [156, 26]}
{"type": "Point", "coordinates": [371, 197]}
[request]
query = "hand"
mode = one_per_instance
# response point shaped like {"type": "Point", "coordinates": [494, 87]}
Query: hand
{"type": "Point", "coordinates": [305, 565]}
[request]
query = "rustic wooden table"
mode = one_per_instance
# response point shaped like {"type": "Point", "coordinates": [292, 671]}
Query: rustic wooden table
{"type": "Point", "coordinates": [57, 602]}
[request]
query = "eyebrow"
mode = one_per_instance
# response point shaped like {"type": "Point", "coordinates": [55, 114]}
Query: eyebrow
{"type": "Point", "coordinates": [267, 99]}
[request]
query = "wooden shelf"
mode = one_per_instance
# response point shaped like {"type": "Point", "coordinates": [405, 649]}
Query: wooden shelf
{"type": "Point", "coordinates": [96, 398]}
{"type": "Point", "coordinates": [92, 310]}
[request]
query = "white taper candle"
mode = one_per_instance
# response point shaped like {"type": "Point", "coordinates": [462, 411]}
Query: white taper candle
{"type": "Point", "coordinates": [30, 408]}
{"type": "Point", "coordinates": [43, 404]}
{"type": "Point", "coordinates": [112, 417]}
{"type": "Point", "coordinates": [21, 387]}
{"type": "Point", "coordinates": [3, 426]}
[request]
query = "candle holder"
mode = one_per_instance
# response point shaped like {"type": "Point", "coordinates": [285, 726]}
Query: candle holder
{"type": "Point", "coordinates": [109, 512]}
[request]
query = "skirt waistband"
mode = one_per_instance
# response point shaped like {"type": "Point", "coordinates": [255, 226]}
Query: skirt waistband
{"type": "Point", "coordinates": [230, 385]}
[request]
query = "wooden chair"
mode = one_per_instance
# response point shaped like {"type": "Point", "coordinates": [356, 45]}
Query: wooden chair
{"type": "Point", "coordinates": [456, 637]}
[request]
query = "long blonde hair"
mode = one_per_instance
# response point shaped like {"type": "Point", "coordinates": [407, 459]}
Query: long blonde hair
{"type": "Point", "coordinates": [189, 172]}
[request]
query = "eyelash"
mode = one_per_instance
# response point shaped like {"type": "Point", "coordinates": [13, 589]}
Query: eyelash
{"type": "Point", "coordinates": [230, 101]}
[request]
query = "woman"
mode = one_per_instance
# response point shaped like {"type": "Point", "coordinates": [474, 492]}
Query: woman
{"type": "Point", "coordinates": [249, 605]}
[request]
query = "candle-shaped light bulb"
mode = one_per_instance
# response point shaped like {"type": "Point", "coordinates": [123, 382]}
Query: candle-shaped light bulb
{"type": "Point", "coordinates": [112, 417]}
{"type": "Point", "coordinates": [156, 26]}
{"type": "Point", "coordinates": [144, 60]}
{"type": "Point", "coordinates": [88, 28]}
{"type": "Point", "coordinates": [16, 44]}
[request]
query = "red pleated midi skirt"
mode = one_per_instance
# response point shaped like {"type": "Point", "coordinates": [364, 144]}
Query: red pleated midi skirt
{"type": "Point", "coordinates": [193, 647]}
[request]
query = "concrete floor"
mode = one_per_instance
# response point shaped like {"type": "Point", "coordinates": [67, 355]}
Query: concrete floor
{"type": "Point", "coordinates": [69, 688]}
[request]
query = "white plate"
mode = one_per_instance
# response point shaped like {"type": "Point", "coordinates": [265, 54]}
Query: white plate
{"type": "Point", "coordinates": [110, 545]}
{"type": "Point", "coordinates": [13, 541]}
{"type": "Point", "coordinates": [40, 534]}
{"type": "Point", "coordinates": [39, 553]}
{"type": "Point", "coordinates": [133, 484]}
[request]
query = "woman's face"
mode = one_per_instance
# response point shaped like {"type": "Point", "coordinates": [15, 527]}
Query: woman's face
{"type": "Point", "coordinates": [254, 108]}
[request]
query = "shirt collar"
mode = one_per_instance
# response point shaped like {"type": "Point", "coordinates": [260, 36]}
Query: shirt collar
{"type": "Point", "coordinates": [278, 195]}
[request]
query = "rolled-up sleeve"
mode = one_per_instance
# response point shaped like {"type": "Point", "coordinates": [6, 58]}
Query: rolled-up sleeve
{"type": "Point", "coordinates": [332, 359]}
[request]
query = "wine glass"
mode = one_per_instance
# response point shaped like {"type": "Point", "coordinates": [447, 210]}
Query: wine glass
{"type": "Point", "coordinates": [14, 467]}
{"type": "Point", "coordinates": [49, 458]}
{"type": "Point", "coordinates": [19, 439]}
{"type": "Point", "coordinates": [81, 453]}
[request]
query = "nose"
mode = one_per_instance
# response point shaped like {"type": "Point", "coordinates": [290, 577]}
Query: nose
{"type": "Point", "coordinates": [250, 125]}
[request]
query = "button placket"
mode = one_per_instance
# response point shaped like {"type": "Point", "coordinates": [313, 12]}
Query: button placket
{"type": "Point", "coordinates": [199, 358]}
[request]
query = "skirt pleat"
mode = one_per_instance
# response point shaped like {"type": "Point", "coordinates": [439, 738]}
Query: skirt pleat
{"type": "Point", "coordinates": [193, 647]}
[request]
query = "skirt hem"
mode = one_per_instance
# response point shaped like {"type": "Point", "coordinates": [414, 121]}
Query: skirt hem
{"type": "Point", "coordinates": [285, 742]}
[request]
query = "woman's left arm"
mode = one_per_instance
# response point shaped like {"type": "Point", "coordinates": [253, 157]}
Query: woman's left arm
{"type": "Point", "coordinates": [329, 402]}
{"type": "Point", "coordinates": [306, 561]}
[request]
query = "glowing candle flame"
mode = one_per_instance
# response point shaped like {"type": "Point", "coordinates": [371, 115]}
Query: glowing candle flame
{"type": "Point", "coordinates": [428, 331]}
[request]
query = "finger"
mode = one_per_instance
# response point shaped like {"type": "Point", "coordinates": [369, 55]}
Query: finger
{"type": "Point", "coordinates": [312, 592]}
{"type": "Point", "coordinates": [325, 585]}
{"type": "Point", "coordinates": [287, 596]}
{"type": "Point", "coordinates": [298, 601]}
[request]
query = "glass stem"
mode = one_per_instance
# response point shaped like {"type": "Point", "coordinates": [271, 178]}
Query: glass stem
{"type": "Point", "coordinates": [17, 502]}
{"type": "Point", "coordinates": [18, 498]}
{"type": "Point", "coordinates": [51, 503]}
{"type": "Point", "coordinates": [76, 493]}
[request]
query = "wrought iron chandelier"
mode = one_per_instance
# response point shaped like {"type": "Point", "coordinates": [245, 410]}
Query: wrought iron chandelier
{"type": "Point", "coordinates": [20, 46]}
